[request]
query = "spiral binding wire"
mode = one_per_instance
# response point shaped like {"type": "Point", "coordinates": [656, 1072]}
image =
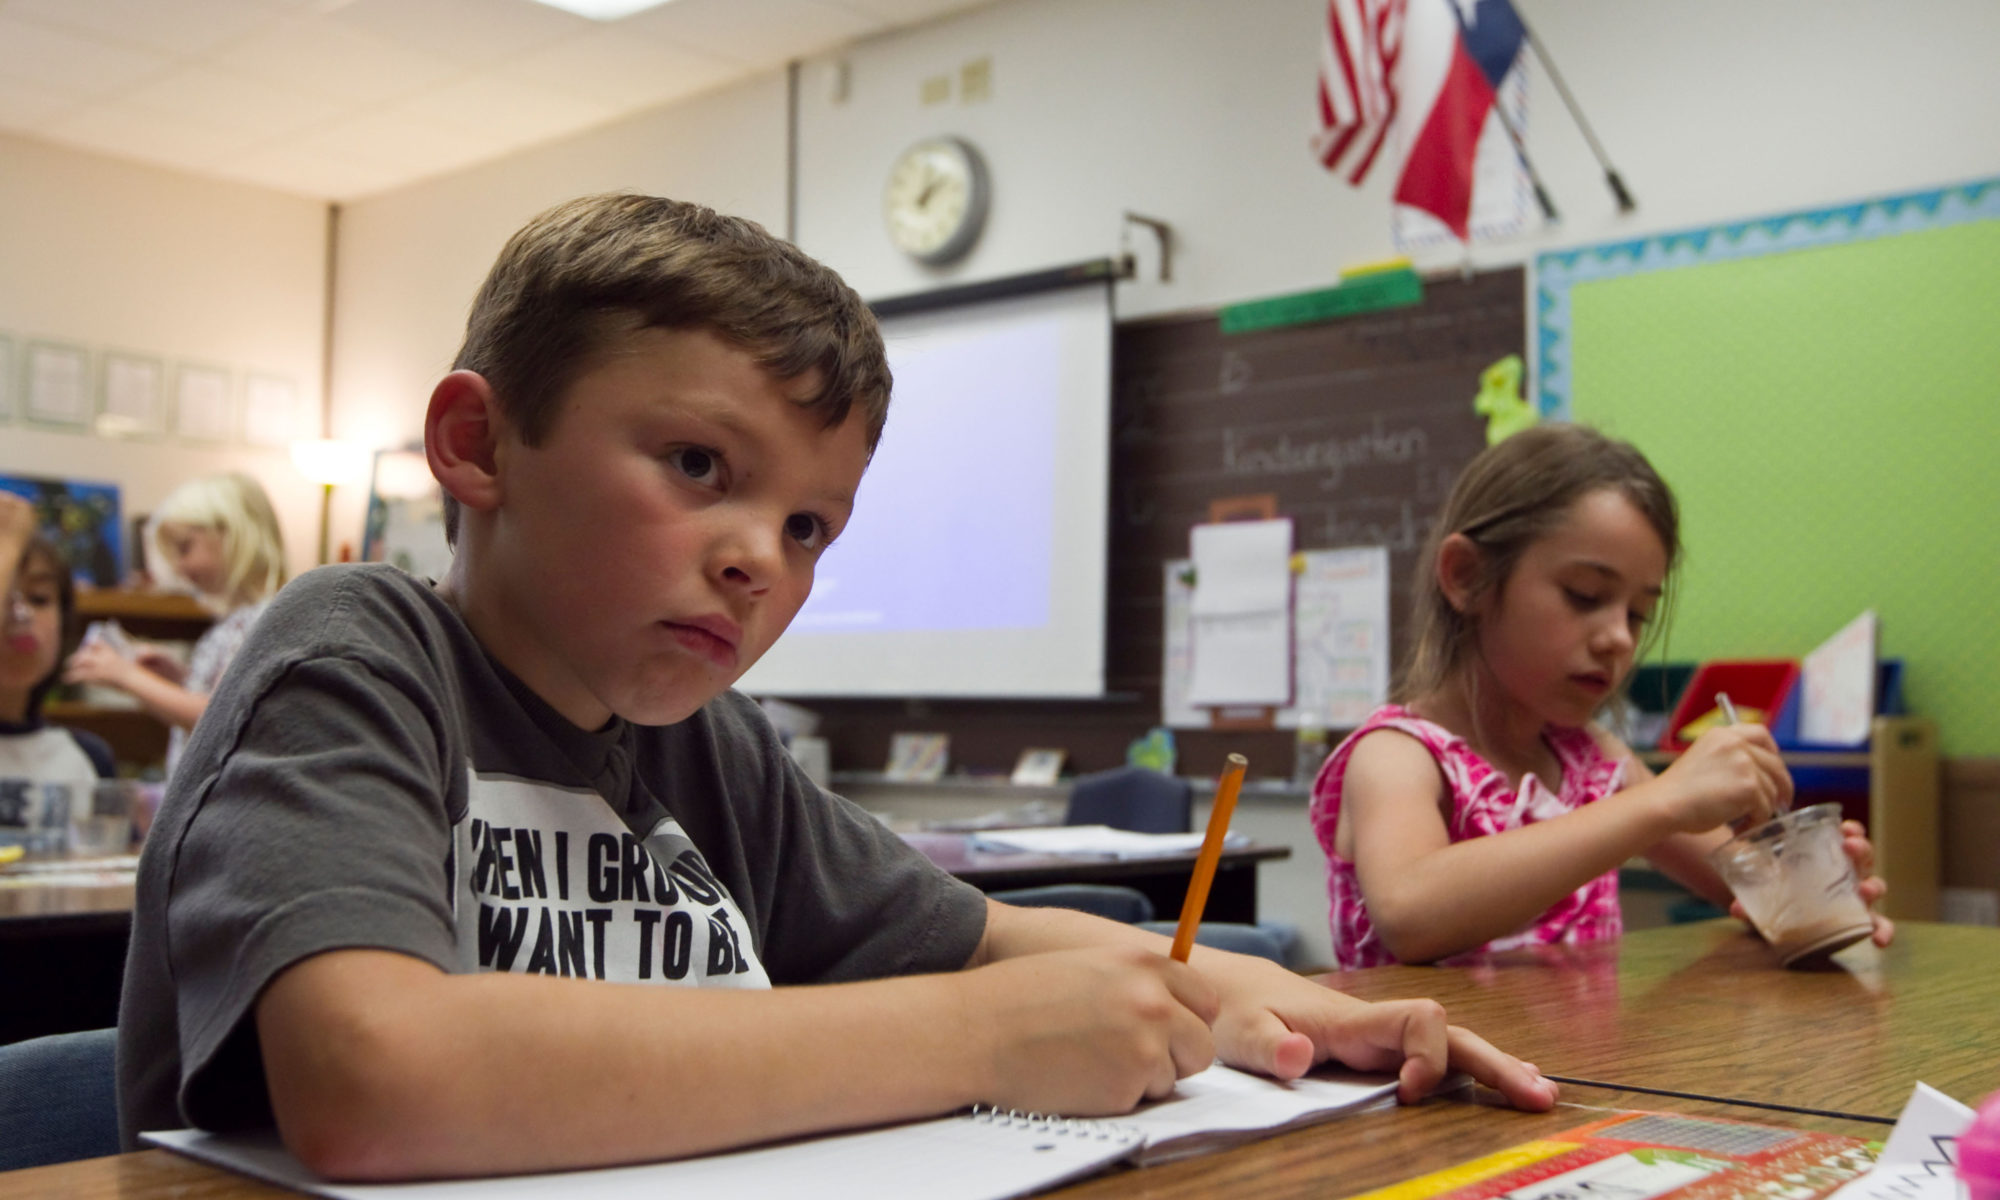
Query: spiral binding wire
{"type": "Point", "coordinates": [1034, 1122]}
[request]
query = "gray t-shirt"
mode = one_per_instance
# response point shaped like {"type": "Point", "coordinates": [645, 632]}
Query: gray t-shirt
{"type": "Point", "coordinates": [366, 776]}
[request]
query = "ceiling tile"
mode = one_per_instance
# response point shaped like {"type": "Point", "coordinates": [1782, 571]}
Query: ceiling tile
{"type": "Point", "coordinates": [385, 137]}
{"type": "Point", "coordinates": [470, 32]}
{"type": "Point", "coordinates": [167, 26]}
{"type": "Point", "coordinates": [909, 12]}
{"type": "Point", "coordinates": [345, 64]}
{"type": "Point", "coordinates": [617, 67]}
{"type": "Point", "coordinates": [509, 107]}
{"type": "Point", "coordinates": [231, 101]}
{"type": "Point", "coordinates": [136, 133]}
{"type": "Point", "coordinates": [32, 52]}
{"type": "Point", "coordinates": [309, 174]}
{"type": "Point", "coordinates": [26, 106]}
{"type": "Point", "coordinates": [757, 35]}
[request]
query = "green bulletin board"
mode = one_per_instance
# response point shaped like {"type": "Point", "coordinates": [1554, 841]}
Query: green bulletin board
{"type": "Point", "coordinates": [1822, 390]}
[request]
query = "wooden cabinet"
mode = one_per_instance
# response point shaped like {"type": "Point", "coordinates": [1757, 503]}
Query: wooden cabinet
{"type": "Point", "coordinates": [137, 739]}
{"type": "Point", "coordinates": [1893, 788]}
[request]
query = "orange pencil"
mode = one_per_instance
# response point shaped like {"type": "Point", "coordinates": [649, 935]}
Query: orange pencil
{"type": "Point", "coordinates": [1211, 853]}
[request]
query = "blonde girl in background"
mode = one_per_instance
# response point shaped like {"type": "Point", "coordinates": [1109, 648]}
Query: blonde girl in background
{"type": "Point", "coordinates": [220, 536]}
{"type": "Point", "coordinates": [1485, 810]}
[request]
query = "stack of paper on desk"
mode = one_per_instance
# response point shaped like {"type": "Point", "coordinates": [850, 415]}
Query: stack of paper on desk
{"type": "Point", "coordinates": [984, 1155]}
{"type": "Point", "coordinates": [1094, 841]}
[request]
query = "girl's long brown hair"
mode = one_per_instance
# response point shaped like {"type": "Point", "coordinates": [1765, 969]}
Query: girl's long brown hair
{"type": "Point", "coordinates": [1509, 497]}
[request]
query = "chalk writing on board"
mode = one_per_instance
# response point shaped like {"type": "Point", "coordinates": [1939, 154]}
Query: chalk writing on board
{"type": "Point", "coordinates": [1235, 375]}
{"type": "Point", "coordinates": [1402, 532]}
{"type": "Point", "coordinates": [1245, 454]}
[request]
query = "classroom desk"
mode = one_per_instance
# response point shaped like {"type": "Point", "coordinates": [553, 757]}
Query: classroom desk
{"type": "Point", "coordinates": [1705, 1010]}
{"type": "Point", "coordinates": [1164, 879]}
{"type": "Point", "coordinates": [1352, 1154]}
{"type": "Point", "coordinates": [69, 940]}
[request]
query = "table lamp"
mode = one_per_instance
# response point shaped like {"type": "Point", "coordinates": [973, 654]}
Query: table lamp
{"type": "Point", "coordinates": [329, 462]}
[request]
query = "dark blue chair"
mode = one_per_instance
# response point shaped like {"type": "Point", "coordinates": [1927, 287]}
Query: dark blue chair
{"type": "Point", "coordinates": [1130, 906]}
{"type": "Point", "coordinates": [58, 1099]}
{"type": "Point", "coordinates": [1127, 906]}
{"type": "Point", "coordinates": [1136, 798]}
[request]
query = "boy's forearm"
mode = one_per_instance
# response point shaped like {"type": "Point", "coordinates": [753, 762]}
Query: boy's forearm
{"type": "Point", "coordinates": [1467, 893]}
{"type": "Point", "coordinates": [487, 1074]}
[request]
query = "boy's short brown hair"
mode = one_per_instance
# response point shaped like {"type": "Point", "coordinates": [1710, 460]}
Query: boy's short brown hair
{"type": "Point", "coordinates": [595, 268]}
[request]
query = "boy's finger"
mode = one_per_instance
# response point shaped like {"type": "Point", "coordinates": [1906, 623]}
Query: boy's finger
{"type": "Point", "coordinates": [1419, 1032]}
{"type": "Point", "coordinates": [1191, 1045]}
{"type": "Point", "coordinates": [1193, 989]}
{"type": "Point", "coordinates": [1264, 1043]}
{"type": "Point", "coordinates": [1522, 1085]}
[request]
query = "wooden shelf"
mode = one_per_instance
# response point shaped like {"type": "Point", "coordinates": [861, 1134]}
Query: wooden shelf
{"type": "Point", "coordinates": [136, 737]}
{"type": "Point", "coordinates": [169, 616]}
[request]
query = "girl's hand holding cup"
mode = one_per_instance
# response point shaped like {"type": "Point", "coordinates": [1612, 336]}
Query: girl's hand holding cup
{"type": "Point", "coordinates": [1732, 775]}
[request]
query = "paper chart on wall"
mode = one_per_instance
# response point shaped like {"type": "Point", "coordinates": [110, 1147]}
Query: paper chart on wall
{"type": "Point", "coordinates": [1340, 641]}
{"type": "Point", "coordinates": [1240, 613]}
{"type": "Point", "coordinates": [1340, 636]}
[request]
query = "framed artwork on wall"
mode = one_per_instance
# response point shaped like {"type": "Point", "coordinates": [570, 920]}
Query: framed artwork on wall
{"type": "Point", "coordinates": [203, 411]}
{"type": "Point", "coordinates": [270, 412]}
{"type": "Point", "coordinates": [6, 378]}
{"type": "Point", "coordinates": [132, 397]}
{"type": "Point", "coordinates": [57, 391]}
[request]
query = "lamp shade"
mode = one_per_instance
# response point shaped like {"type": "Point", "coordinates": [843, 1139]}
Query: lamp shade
{"type": "Point", "coordinates": [330, 461]}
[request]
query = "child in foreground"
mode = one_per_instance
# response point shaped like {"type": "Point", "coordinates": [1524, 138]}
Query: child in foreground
{"type": "Point", "coordinates": [219, 535]}
{"type": "Point", "coordinates": [434, 850]}
{"type": "Point", "coordinates": [1484, 810]}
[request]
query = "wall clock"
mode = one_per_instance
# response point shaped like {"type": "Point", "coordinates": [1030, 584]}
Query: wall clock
{"type": "Point", "coordinates": [936, 199]}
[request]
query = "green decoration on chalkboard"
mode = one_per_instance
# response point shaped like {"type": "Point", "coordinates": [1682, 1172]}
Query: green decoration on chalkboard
{"type": "Point", "coordinates": [1499, 401]}
{"type": "Point", "coordinates": [1367, 293]}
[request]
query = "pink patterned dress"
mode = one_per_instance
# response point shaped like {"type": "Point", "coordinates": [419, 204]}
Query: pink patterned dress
{"type": "Point", "coordinates": [1481, 803]}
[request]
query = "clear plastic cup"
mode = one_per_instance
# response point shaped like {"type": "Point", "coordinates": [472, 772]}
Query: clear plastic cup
{"type": "Point", "coordinates": [1797, 884]}
{"type": "Point", "coordinates": [35, 815]}
{"type": "Point", "coordinates": [103, 826]}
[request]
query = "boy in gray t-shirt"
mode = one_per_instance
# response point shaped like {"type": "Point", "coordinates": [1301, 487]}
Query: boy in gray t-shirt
{"type": "Point", "coordinates": [435, 854]}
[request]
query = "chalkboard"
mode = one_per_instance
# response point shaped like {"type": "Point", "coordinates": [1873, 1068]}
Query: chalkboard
{"type": "Point", "coordinates": [1357, 426]}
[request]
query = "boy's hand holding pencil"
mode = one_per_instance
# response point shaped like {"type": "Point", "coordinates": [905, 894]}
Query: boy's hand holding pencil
{"type": "Point", "coordinates": [1281, 1024]}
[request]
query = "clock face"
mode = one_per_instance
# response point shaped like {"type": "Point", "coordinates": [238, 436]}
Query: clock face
{"type": "Point", "coordinates": [936, 199]}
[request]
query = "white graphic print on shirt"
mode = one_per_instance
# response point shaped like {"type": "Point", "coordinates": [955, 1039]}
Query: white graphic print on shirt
{"type": "Point", "coordinates": [551, 882]}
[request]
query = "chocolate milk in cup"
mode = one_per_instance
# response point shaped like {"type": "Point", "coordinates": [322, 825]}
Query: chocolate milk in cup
{"type": "Point", "coordinates": [1797, 884]}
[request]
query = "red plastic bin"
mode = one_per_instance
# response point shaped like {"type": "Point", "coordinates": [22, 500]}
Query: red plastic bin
{"type": "Point", "coordinates": [1751, 683]}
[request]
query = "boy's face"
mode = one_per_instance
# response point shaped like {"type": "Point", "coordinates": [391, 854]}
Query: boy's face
{"type": "Point", "coordinates": [664, 534]}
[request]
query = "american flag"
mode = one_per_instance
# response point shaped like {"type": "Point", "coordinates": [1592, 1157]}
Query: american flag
{"type": "Point", "coordinates": [1360, 43]}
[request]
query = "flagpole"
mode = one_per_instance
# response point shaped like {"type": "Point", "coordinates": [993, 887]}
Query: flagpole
{"type": "Point", "coordinates": [1527, 164]}
{"type": "Point", "coordinates": [1625, 202]}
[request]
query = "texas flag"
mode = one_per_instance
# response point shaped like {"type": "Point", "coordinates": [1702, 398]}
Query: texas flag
{"type": "Point", "coordinates": [1436, 67]}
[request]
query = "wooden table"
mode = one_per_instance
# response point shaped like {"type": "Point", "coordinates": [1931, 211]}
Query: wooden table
{"type": "Point", "coordinates": [1925, 1010]}
{"type": "Point", "coordinates": [1164, 879]}
{"type": "Point", "coordinates": [1352, 1154]}
{"type": "Point", "coordinates": [1705, 1010]}
{"type": "Point", "coordinates": [70, 942]}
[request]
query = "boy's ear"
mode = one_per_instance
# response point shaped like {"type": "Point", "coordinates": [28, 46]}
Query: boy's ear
{"type": "Point", "coordinates": [1458, 566]}
{"type": "Point", "coordinates": [463, 428]}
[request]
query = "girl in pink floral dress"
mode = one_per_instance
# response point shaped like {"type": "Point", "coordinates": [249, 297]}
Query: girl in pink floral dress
{"type": "Point", "coordinates": [1484, 810]}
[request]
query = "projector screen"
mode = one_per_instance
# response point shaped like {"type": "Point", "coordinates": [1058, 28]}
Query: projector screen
{"type": "Point", "coordinates": [975, 562]}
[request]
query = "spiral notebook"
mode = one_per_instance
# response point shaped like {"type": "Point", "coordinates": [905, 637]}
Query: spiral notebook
{"type": "Point", "coordinates": [981, 1155]}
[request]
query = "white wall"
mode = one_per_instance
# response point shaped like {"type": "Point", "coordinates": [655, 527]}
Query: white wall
{"type": "Point", "coordinates": [409, 261]}
{"type": "Point", "coordinates": [108, 255]}
{"type": "Point", "coordinates": [1198, 112]}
